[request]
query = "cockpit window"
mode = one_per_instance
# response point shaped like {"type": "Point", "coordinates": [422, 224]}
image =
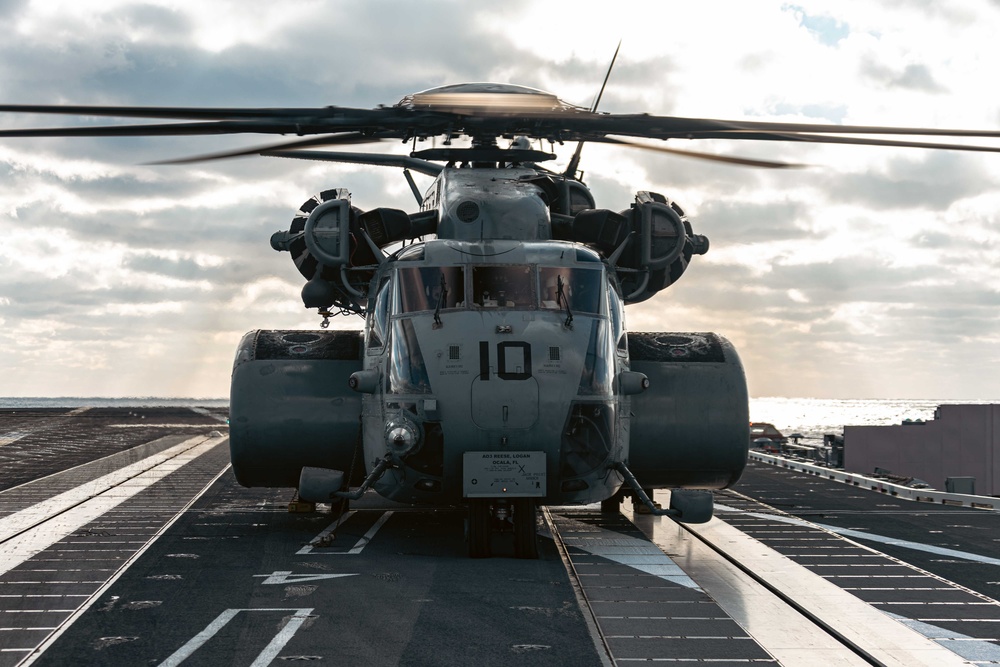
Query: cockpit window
{"type": "Point", "coordinates": [582, 287]}
{"type": "Point", "coordinates": [407, 370]}
{"type": "Point", "coordinates": [503, 287]}
{"type": "Point", "coordinates": [426, 287]}
{"type": "Point", "coordinates": [598, 364]}
{"type": "Point", "coordinates": [380, 316]}
{"type": "Point", "coordinates": [616, 310]}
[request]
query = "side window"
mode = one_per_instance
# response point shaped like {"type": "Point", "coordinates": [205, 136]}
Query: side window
{"type": "Point", "coordinates": [599, 362]}
{"type": "Point", "coordinates": [617, 311]}
{"type": "Point", "coordinates": [407, 370]}
{"type": "Point", "coordinates": [380, 315]}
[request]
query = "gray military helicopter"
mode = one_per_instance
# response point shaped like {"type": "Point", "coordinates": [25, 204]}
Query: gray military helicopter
{"type": "Point", "coordinates": [494, 369]}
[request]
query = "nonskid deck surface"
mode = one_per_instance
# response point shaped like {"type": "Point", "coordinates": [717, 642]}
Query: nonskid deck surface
{"type": "Point", "coordinates": [155, 555]}
{"type": "Point", "coordinates": [35, 442]}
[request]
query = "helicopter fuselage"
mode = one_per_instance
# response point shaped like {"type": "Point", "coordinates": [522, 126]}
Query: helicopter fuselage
{"type": "Point", "coordinates": [496, 351]}
{"type": "Point", "coordinates": [494, 368]}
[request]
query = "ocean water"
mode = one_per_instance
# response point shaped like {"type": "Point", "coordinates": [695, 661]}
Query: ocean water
{"type": "Point", "coordinates": [127, 402]}
{"type": "Point", "coordinates": [814, 417]}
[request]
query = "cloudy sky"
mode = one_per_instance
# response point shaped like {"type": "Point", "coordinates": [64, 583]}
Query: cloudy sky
{"type": "Point", "coordinates": [873, 273]}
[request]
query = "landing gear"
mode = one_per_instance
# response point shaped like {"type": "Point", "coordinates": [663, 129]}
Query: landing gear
{"type": "Point", "coordinates": [488, 516]}
{"type": "Point", "coordinates": [525, 528]}
{"type": "Point", "coordinates": [480, 527]}
{"type": "Point", "coordinates": [613, 504]}
{"type": "Point", "coordinates": [339, 506]}
{"type": "Point", "coordinates": [640, 507]}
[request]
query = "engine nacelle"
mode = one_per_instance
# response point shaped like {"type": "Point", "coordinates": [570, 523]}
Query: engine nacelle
{"type": "Point", "coordinates": [662, 246]}
{"type": "Point", "coordinates": [691, 428]}
{"type": "Point", "coordinates": [650, 245]}
{"type": "Point", "coordinates": [336, 247]}
{"type": "Point", "coordinates": [291, 406]}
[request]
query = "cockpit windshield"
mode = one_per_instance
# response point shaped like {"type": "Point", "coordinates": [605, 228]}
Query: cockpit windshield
{"type": "Point", "coordinates": [514, 286]}
{"type": "Point", "coordinates": [431, 288]}
{"type": "Point", "coordinates": [503, 287]}
{"type": "Point", "coordinates": [580, 287]}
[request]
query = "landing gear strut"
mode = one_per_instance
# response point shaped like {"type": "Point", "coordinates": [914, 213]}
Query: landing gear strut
{"type": "Point", "coordinates": [525, 528]}
{"type": "Point", "coordinates": [613, 504]}
{"type": "Point", "coordinates": [488, 516]}
{"type": "Point", "coordinates": [480, 527]}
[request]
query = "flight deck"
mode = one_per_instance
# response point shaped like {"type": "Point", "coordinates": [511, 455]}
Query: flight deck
{"type": "Point", "coordinates": [125, 540]}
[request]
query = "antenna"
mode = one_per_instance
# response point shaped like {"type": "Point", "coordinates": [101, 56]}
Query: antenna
{"type": "Point", "coordinates": [575, 160]}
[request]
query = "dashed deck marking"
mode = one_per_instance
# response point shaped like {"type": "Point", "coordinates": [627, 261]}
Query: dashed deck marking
{"type": "Point", "coordinates": [265, 657]}
{"type": "Point", "coordinates": [871, 537]}
{"type": "Point", "coordinates": [24, 536]}
{"type": "Point", "coordinates": [14, 436]}
{"type": "Point", "coordinates": [103, 584]}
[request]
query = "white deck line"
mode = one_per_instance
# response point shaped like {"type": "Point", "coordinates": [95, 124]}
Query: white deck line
{"type": "Point", "coordinates": [96, 595]}
{"type": "Point", "coordinates": [358, 547]}
{"type": "Point", "coordinates": [34, 529]}
{"type": "Point", "coordinates": [888, 640]}
{"type": "Point", "coordinates": [266, 656]}
{"type": "Point", "coordinates": [864, 535]}
{"type": "Point", "coordinates": [880, 485]}
{"type": "Point", "coordinates": [639, 554]}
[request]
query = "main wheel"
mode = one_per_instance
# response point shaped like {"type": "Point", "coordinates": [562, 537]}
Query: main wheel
{"type": "Point", "coordinates": [525, 528]}
{"type": "Point", "coordinates": [613, 504]}
{"type": "Point", "coordinates": [480, 525]}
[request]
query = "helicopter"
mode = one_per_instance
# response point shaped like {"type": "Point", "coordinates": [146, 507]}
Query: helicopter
{"type": "Point", "coordinates": [494, 369]}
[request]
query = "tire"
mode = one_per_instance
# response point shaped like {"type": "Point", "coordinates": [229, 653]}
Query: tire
{"type": "Point", "coordinates": [525, 528]}
{"type": "Point", "coordinates": [611, 505]}
{"type": "Point", "coordinates": [480, 525]}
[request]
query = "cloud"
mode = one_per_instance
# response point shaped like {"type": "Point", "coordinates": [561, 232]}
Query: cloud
{"type": "Point", "coordinates": [9, 8]}
{"type": "Point", "coordinates": [913, 76]}
{"type": "Point", "coordinates": [726, 221]}
{"type": "Point", "coordinates": [904, 182]}
{"type": "Point", "coordinates": [118, 277]}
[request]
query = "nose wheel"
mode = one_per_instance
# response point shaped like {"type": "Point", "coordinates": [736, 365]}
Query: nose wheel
{"type": "Point", "coordinates": [480, 527]}
{"type": "Point", "coordinates": [525, 528]}
{"type": "Point", "coordinates": [487, 516]}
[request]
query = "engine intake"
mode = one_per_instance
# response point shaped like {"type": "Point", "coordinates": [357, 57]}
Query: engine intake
{"type": "Point", "coordinates": [662, 245]}
{"type": "Point", "coordinates": [336, 247]}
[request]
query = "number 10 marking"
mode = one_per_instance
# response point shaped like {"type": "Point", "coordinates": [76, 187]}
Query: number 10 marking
{"type": "Point", "coordinates": [502, 372]}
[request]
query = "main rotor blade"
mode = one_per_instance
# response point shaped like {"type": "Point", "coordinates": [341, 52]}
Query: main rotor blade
{"type": "Point", "coordinates": [155, 130]}
{"type": "Point", "coordinates": [346, 138]}
{"type": "Point", "coordinates": [826, 128]}
{"type": "Point", "coordinates": [712, 157]}
{"type": "Point", "coordinates": [673, 127]}
{"type": "Point", "coordinates": [857, 141]}
{"type": "Point", "coordinates": [222, 121]}
{"type": "Point", "coordinates": [179, 113]}
{"type": "Point", "coordinates": [380, 159]}
{"type": "Point", "coordinates": [554, 121]}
